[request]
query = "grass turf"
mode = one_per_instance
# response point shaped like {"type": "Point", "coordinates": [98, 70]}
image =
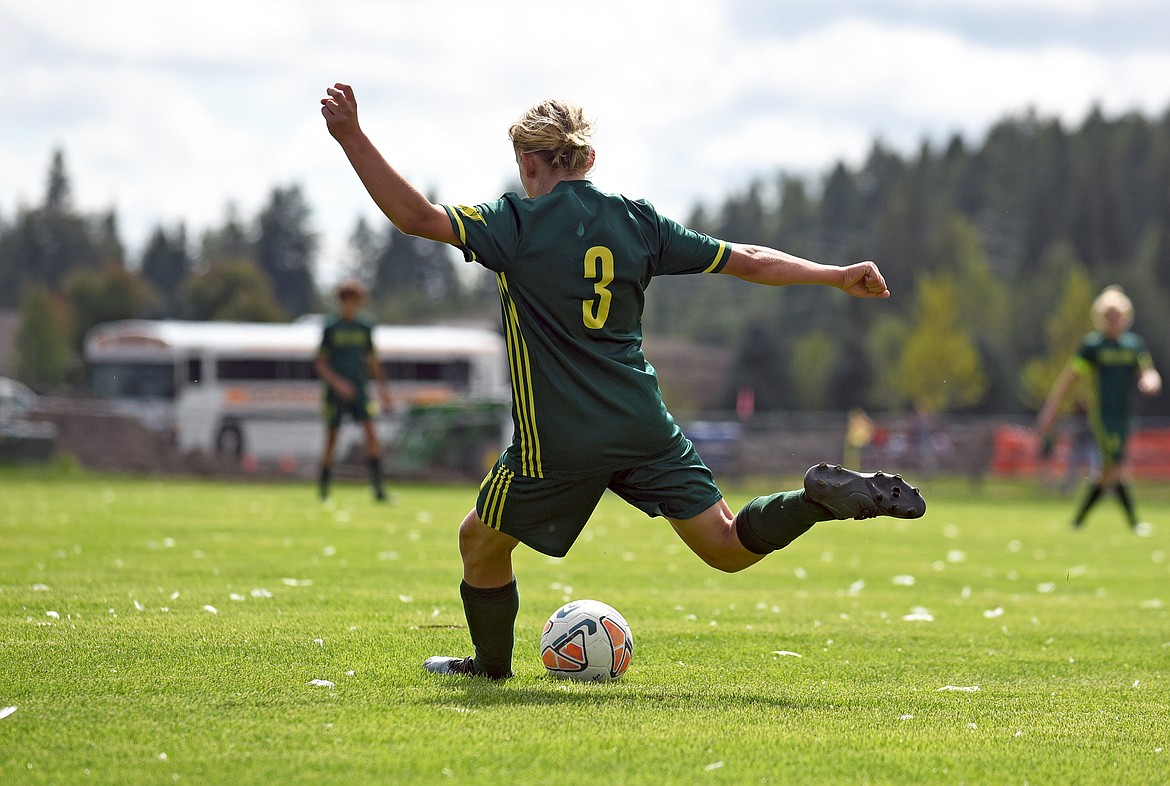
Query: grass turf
{"type": "Point", "coordinates": [158, 630]}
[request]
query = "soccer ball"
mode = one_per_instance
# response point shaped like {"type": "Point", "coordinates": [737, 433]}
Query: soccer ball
{"type": "Point", "coordinates": [586, 640]}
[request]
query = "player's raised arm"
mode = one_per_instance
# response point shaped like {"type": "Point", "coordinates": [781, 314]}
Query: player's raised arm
{"type": "Point", "coordinates": [402, 203]}
{"type": "Point", "coordinates": [762, 265]}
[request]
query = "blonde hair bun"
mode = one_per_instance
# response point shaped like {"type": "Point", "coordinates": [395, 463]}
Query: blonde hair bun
{"type": "Point", "coordinates": [557, 129]}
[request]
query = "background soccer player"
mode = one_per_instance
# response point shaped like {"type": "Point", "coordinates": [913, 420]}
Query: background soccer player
{"type": "Point", "coordinates": [1115, 361]}
{"type": "Point", "coordinates": [345, 362]}
{"type": "Point", "coordinates": [572, 264]}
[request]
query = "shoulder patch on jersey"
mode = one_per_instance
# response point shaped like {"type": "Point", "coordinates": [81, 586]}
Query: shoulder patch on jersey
{"type": "Point", "coordinates": [471, 213]}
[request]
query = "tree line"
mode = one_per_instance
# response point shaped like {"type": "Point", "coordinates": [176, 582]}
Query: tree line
{"type": "Point", "coordinates": [66, 271]}
{"type": "Point", "coordinates": [993, 251]}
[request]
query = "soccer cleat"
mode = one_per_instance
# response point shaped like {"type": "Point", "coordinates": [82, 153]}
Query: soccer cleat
{"type": "Point", "coordinates": [862, 495]}
{"type": "Point", "coordinates": [438, 664]}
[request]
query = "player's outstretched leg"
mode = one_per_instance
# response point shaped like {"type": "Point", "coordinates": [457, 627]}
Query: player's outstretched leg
{"type": "Point", "coordinates": [862, 495]}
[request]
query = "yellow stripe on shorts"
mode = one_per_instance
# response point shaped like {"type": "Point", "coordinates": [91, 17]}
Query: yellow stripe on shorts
{"type": "Point", "coordinates": [493, 513]}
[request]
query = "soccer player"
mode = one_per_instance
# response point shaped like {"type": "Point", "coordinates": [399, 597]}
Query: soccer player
{"type": "Point", "coordinates": [572, 264]}
{"type": "Point", "coordinates": [1115, 361]}
{"type": "Point", "coordinates": [345, 362]}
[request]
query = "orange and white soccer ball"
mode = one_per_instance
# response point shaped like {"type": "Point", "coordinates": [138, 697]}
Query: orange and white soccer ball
{"type": "Point", "coordinates": [586, 640]}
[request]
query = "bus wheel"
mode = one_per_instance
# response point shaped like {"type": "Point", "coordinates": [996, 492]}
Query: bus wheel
{"type": "Point", "coordinates": [230, 440]}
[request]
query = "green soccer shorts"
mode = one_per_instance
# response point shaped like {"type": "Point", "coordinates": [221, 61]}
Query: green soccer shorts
{"type": "Point", "coordinates": [547, 514]}
{"type": "Point", "coordinates": [358, 409]}
{"type": "Point", "coordinates": [1111, 436]}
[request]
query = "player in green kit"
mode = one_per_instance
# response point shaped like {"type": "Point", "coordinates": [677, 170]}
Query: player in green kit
{"type": "Point", "coordinates": [572, 264]}
{"type": "Point", "coordinates": [1115, 362]}
{"type": "Point", "coordinates": [345, 363]}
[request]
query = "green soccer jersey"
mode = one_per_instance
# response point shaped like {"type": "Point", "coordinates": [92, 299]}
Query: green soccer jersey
{"type": "Point", "coordinates": [1113, 365]}
{"type": "Point", "coordinates": [572, 268]}
{"type": "Point", "coordinates": [347, 347]}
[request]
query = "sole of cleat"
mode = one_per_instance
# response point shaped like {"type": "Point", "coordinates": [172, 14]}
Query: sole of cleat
{"type": "Point", "coordinates": [862, 495]}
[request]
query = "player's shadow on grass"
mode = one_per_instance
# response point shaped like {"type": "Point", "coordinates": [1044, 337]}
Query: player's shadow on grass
{"type": "Point", "coordinates": [548, 692]}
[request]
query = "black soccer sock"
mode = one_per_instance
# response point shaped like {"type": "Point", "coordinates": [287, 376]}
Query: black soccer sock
{"type": "Point", "coordinates": [769, 523]}
{"type": "Point", "coordinates": [491, 620]}
{"type": "Point", "coordinates": [376, 477]}
{"type": "Point", "coordinates": [323, 480]}
{"type": "Point", "coordinates": [1127, 503]}
{"type": "Point", "coordinates": [1090, 500]}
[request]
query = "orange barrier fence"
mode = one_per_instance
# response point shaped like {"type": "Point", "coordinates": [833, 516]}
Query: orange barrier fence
{"type": "Point", "coordinates": [1017, 453]}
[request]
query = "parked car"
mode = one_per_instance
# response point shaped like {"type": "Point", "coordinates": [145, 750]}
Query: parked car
{"type": "Point", "coordinates": [21, 437]}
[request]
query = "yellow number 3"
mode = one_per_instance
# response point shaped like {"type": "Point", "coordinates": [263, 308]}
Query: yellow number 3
{"type": "Point", "coordinates": [596, 311]}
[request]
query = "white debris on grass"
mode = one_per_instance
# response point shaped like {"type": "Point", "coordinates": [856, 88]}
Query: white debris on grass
{"type": "Point", "coordinates": [6, 711]}
{"type": "Point", "coordinates": [918, 614]}
{"type": "Point", "coordinates": [955, 555]}
{"type": "Point", "coordinates": [53, 614]}
{"type": "Point", "coordinates": [236, 596]}
{"type": "Point", "coordinates": [260, 592]}
{"type": "Point", "coordinates": [321, 683]}
{"type": "Point", "coordinates": [1046, 588]}
{"type": "Point", "coordinates": [210, 609]}
{"type": "Point", "coordinates": [787, 654]}
{"type": "Point", "coordinates": [993, 613]}
{"type": "Point", "coordinates": [715, 765]}
{"type": "Point", "coordinates": [406, 598]}
{"type": "Point", "coordinates": [319, 642]}
{"type": "Point", "coordinates": [1152, 603]}
{"type": "Point", "coordinates": [903, 581]}
{"type": "Point", "coordinates": [40, 587]}
{"type": "Point", "coordinates": [856, 587]}
{"type": "Point", "coordinates": [907, 716]}
{"type": "Point", "coordinates": [297, 582]}
{"type": "Point", "coordinates": [961, 688]}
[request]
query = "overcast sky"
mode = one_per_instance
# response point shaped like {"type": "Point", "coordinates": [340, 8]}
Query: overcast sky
{"type": "Point", "coordinates": [168, 112]}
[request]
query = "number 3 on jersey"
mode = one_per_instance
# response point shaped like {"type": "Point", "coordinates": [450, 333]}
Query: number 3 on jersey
{"type": "Point", "coordinates": [598, 269]}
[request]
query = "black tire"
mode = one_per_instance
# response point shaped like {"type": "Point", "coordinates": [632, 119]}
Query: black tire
{"type": "Point", "coordinates": [230, 440]}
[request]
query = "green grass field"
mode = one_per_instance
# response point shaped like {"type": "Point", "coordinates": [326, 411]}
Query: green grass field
{"type": "Point", "coordinates": [168, 631]}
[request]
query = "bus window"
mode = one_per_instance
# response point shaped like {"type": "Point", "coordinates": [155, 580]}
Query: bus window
{"type": "Point", "coordinates": [194, 370]}
{"type": "Point", "coordinates": [456, 373]}
{"type": "Point", "coordinates": [263, 369]}
{"type": "Point", "coordinates": [133, 380]}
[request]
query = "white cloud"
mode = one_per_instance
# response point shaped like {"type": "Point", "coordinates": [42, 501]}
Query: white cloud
{"type": "Point", "coordinates": [166, 112]}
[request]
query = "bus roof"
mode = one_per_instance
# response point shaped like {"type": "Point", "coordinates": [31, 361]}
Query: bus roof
{"type": "Point", "coordinates": [168, 338]}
